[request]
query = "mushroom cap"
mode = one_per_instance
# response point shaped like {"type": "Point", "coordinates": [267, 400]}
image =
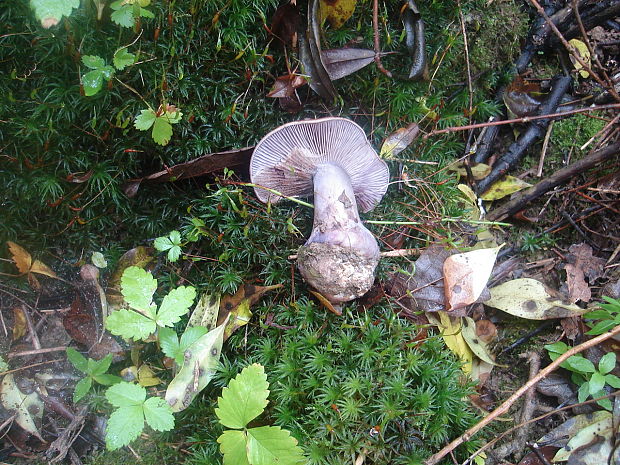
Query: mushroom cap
{"type": "Point", "coordinates": [285, 160]}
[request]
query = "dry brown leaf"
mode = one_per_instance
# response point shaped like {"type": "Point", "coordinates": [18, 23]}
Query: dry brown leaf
{"type": "Point", "coordinates": [24, 263]}
{"type": "Point", "coordinates": [581, 265]}
{"type": "Point", "coordinates": [326, 303]}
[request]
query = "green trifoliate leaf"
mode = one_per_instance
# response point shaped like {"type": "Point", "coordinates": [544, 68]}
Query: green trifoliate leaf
{"type": "Point", "coordinates": [138, 287]}
{"type": "Point", "coordinates": [163, 243]}
{"type": "Point", "coordinates": [123, 58]}
{"type": "Point", "coordinates": [77, 359]}
{"type": "Point", "coordinates": [607, 363]}
{"type": "Point", "coordinates": [107, 72]}
{"type": "Point", "coordinates": [145, 120]}
{"type": "Point", "coordinates": [93, 61]}
{"type": "Point", "coordinates": [175, 305]}
{"type": "Point", "coordinates": [232, 445]}
{"type": "Point", "coordinates": [162, 131]}
{"type": "Point", "coordinates": [146, 13]}
{"type": "Point", "coordinates": [102, 365]}
{"type": "Point", "coordinates": [81, 389]}
{"type": "Point", "coordinates": [124, 425]}
{"type": "Point", "coordinates": [130, 325]}
{"type": "Point", "coordinates": [174, 253]}
{"type": "Point", "coordinates": [245, 398]}
{"type": "Point", "coordinates": [175, 237]}
{"type": "Point", "coordinates": [158, 414]}
{"type": "Point", "coordinates": [123, 16]}
{"type": "Point", "coordinates": [126, 394]}
{"type": "Point", "coordinates": [50, 12]}
{"type": "Point", "coordinates": [267, 445]}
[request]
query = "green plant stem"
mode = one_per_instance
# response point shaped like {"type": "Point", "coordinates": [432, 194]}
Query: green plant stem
{"type": "Point", "coordinates": [513, 398]}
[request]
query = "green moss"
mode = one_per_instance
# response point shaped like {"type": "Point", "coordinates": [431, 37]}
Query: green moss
{"type": "Point", "coordinates": [571, 133]}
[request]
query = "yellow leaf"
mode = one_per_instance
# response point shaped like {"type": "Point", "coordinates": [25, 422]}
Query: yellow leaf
{"type": "Point", "coordinates": [337, 12]}
{"type": "Point", "coordinates": [326, 303]}
{"type": "Point", "coordinates": [41, 268]}
{"type": "Point", "coordinates": [584, 54]}
{"type": "Point", "coordinates": [399, 140]}
{"type": "Point", "coordinates": [21, 257]}
{"type": "Point", "coordinates": [453, 337]}
{"type": "Point", "coordinates": [478, 170]}
{"type": "Point", "coordinates": [206, 311]}
{"type": "Point", "coordinates": [506, 186]}
{"type": "Point", "coordinates": [19, 323]}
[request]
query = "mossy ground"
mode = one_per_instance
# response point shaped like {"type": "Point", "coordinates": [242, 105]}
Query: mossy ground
{"type": "Point", "coordinates": [212, 60]}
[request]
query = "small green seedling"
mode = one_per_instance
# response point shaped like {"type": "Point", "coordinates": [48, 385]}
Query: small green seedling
{"type": "Point", "coordinates": [171, 244]}
{"type": "Point", "coordinates": [174, 348]}
{"type": "Point", "coordinates": [590, 379]}
{"type": "Point", "coordinates": [99, 70]}
{"type": "Point", "coordinates": [608, 316]}
{"type": "Point", "coordinates": [143, 317]}
{"type": "Point", "coordinates": [132, 409]}
{"type": "Point", "coordinates": [161, 121]}
{"type": "Point", "coordinates": [242, 401]}
{"type": "Point", "coordinates": [95, 371]}
{"type": "Point", "coordinates": [126, 12]}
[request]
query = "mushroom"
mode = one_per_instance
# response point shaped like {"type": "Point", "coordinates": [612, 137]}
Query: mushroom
{"type": "Point", "coordinates": [331, 159]}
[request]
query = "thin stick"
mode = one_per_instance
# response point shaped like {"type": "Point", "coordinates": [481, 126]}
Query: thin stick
{"type": "Point", "coordinates": [543, 151]}
{"type": "Point", "coordinates": [522, 390]}
{"type": "Point", "coordinates": [2, 373]}
{"type": "Point", "coordinates": [525, 119]}
{"type": "Point", "coordinates": [602, 131]}
{"type": "Point", "coordinates": [25, 353]}
{"type": "Point", "coordinates": [375, 27]}
{"type": "Point", "coordinates": [469, 85]}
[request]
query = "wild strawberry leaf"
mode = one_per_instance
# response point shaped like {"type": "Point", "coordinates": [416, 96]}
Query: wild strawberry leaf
{"type": "Point", "coordinates": [124, 425]}
{"type": "Point", "coordinates": [93, 61]}
{"type": "Point", "coordinates": [50, 12]}
{"type": "Point", "coordinates": [138, 287]}
{"type": "Point", "coordinates": [175, 305]}
{"type": "Point", "coordinates": [244, 399]}
{"type": "Point", "coordinates": [145, 120]}
{"type": "Point", "coordinates": [233, 447]}
{"type": "Point", "coordinates": [123, 58]}
{"type": "Point", "coordinates": [162, 131]}
{"type": "Point", "coordinates": [158, 414]}
{"type": "Point", "coordinates": [123, 16]}
{"type": "Point", "coordinates": [130, 325]}
{"type": "Point", "coordinates": [267, 445]}
{"type": "Point", "coordinates": [125, 394]}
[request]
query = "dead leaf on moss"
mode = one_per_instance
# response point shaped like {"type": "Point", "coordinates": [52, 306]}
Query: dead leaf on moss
{"type": "Point", "coordinates": [451, 332]}
{"type": "Point", "coordinates": [528, 298]}
{"type": "Point", "coordinates": [27, 407]}
{"type": "Point", "coordinates": [19, 323]}
{"type": "Point", "coordinates": [399, 140]}
{"type": "Point", "coordinates": [341, 62]}
{"type": "Point", "coordinates": [337, 12]}
{"type": "Point", "coordinates": [478, 170]}
{"type": "Point", "coordinates": [206, 311]}
{"type": "Point", "coordinates": [326, 303]}
{"type": "Point", "coordinates": [144, 375]}
{"type": "Point", "coordinates": [581, 265]}
{"type": "Point", "coordinates": [466, 276]}
{"type": "Point", "coordinates": [477, 345]}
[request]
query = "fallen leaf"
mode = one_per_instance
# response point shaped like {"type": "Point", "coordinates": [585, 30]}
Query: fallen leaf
{"type": "Point", "coordinates": [25, 264]}
{"type": "Point", "coordinates": [587, 437]}
{"type": "Point", "coordinates": [528, 298]}
{"type": "Point", "coordinates": [399, 140]}
{"type": "Point", "coordinates": [326, 303]}
{"type": "Point", "coordinates": [466, 275]}
{"type": "Point", "coordinates": [477, 345]}
{"type": "Point", "coordinates": [560, 435]}
{"type": "Point", "coordinates": [582, 264]}
{"type": "Point", "coordinates": [520, 104]}
{"type": "Point", "coordinates": [486, 330]}
{"type": "Point", "coordinates": [285, 86]}
{"type": "Point", "coordinates": [196, 167]}
{"type": "Point", "coordinates": [144, 375]}
{"type": "Point", "coordinates": [422, 289]}
{"type": "Point", "coordinates": [236, 308]}
{"type": "Point", "coordinates": [532, 458]}
{"type": "Point", "coordinates": [451, 332]}
{"type": "Point", "coordinates": [480, 371]}
{"type": "Point", "coordinates": [27, 407]}
{"type": "Point", "coordinates": [206, 311]}
{"type": "Point", "coordinates": [583, 52]}
{"type": "Point", "coordinates": [337, 12]}
{"type": "Point", "coordinates": [478, 170]}
{"type": "Point", "coordinates": [285, 23]}
{"type": "Point", "coordinates": [505, 186]}
{"type": "Point", "coordinates": [341, 62]}
{"type": "Point", "coordinates": [199, 366]}
{"type": "Point", "coordinates": [19, 323]}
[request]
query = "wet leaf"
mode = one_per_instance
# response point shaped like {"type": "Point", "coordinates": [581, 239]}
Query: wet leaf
{"type": "Point", "coordinates": [478, 170]}
{"type": "Point", "coordinates": [520, 104]}
{"type": "Point", "coordinates": [285, 23]}
{"type": "Point", "coordinates": [199, 366]}
{"type": "Point", "coordinates": [99, 260]}
{"type": "Point", "coordinates": [144, 375]}
{"type": "Point", "coordinates": [559, 436]}
{"type": "Point", "coordinates": [451, 332]}
{"type": "Point", "coordinates": [528, 298]}
{"type": "Point", "coordinates": [27, 407]}
{"type": "Point", "coordinates": [582, 264]}
{"type": "Point", "coordinates": [337, 12]}
{"type": "Point", "coordinates": [505, 186]}
{"type": "Point", "coordinates": [480, 371]}
{"type": "Point", "coordinates": [477, 345]}
{"type": "Point", "coordinates": [206, 311]}
{"type": "Point", "coordinates": [50, 12]}
{"type": "Point", "coordinates": [583, 52]}
{"type": "Point", "coordinates": [466, 275]}
{"type": "Point", "coordinates": [236, 308]}
{"type": "Point", "coordinates": [341, 62]}
{"type": "Point", "coordinates": [399, 140]}
{"type": "Point", "coordinates": [587, 436]}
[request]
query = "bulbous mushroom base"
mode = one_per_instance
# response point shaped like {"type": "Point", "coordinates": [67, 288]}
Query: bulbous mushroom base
{"type": "Point", "coordinates": [339, 273]}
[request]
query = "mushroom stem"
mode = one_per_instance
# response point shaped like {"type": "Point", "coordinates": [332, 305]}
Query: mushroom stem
{"type": "Point", "coordinates": [341, 255]}
{"type": "Point", "coordinates": [336, 219]}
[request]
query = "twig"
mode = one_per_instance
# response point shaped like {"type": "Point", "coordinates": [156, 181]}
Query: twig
{"type": "Point", "coordinates": [558, 178]}
{"type": "Point", "coordinates": [572, 50]}
{"type": "Point", "coordinates": [33, 333]}
{"type": "Point", "coordinates": [543, 151]}
{"type": "Point", "coordinates": [525, 119]}
{"type": "Point", "coordinates": [602, 131]}
{"type": "Point", "coordinates": [469, 86]}
{"type": "Point", "coordinates": [375, 27]}
{"type": "Point", "coordinates": [522, 390]}
{"type": "Point", "coordinates": [25, 353]}
{"type": "Point", "coordinates": [2, 373]}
